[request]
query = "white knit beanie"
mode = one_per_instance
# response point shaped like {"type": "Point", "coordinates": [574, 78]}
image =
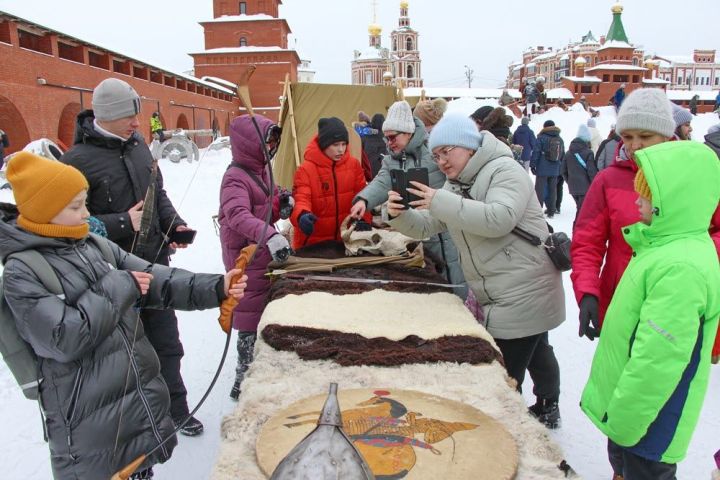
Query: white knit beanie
{"type": "Point", "coordinates": [455, 130]}
{"type": "Point", "coordinates": [399, 118]}
{"type": "Point", "coordinates": [646, 109]}
{"type": "Point", "coordinates": [113, 99]}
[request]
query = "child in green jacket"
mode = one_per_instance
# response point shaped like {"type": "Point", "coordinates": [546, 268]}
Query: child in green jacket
{"type": "Point", "coordinates": [650, 371]}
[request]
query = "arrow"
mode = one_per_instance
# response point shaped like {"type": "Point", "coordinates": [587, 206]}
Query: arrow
{"type": "Point", "coordinates": [380, 281]}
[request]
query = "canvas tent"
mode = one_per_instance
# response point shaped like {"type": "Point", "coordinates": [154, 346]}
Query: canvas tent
{"type": "Point", "coordinates": [306, 103]}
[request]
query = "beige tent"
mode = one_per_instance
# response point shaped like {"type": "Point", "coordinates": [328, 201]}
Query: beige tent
{"type": "Point", "coordinates": [306, 103]}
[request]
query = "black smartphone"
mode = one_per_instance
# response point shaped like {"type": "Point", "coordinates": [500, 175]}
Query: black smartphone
{"type": "Point", "coordinates": [183, 236]}
{"type": "Point", "coordinates": [400, 181]}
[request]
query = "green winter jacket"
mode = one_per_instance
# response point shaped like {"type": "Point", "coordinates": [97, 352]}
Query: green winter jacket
{"type": "Point", "coordinates": [651, 368]}
{"type": "Point", "coordinates": [155, 124]}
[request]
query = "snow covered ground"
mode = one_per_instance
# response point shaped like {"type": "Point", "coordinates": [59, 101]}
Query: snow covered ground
{"type": "Point", "coordinates": [195, 193]}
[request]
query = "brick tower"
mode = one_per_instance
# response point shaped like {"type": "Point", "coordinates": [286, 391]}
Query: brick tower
{"type": "Point", "coordinates": [244, 33]}
{"type": "Point", "coordinates": [405, 53]}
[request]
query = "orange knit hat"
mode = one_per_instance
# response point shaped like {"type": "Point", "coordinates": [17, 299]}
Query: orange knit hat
{"type": "Point", "coordinates": [42, 189]}
{"type": "Point", "coordinates": [641, 185]}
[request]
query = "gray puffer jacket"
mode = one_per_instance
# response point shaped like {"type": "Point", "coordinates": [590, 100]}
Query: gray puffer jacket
{"type": "Point", "coordinates": [416, 154]}
{"type": "Point", "coordinates": [102, 379]}
{"type": "Point", "coordinates": [520, 289]}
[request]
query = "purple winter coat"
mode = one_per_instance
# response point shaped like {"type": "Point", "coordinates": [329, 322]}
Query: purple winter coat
{"type": "Point", "coordinates": [243, 207]}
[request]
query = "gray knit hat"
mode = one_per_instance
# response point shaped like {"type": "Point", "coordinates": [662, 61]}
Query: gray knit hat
{"type": "Point", "coordinates": [455, 130]}
{"type": "Point", "coordinates": [646, 109]}
{"type": "Point", "coordinates": [399, 118]}
{"type": "Point", "coordinates": [681, 115]}
{"type": "Point", "coordinates": [114, 99]}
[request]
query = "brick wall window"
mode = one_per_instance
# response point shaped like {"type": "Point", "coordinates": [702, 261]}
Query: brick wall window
{"type": "Point", "coordinates": [636, 79]}
{"type": "Point", "coordinates": [70, 52]}
{"type": "Point", "coordinates": [34, 42]}
{"type": "Point", "coordinates": [5, 32]}
{"type": "Point", "coordinates": [243, 42]}
{"type": "Point", "coordinates": [243, 8]}
{"type": "Point", "coordinates": [606, 78]}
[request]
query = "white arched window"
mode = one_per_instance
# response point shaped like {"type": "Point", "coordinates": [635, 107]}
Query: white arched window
{"type": "Point", "coordinates": [409, 71]}
{"type": "Point", "coordinates": [409, 44]}
{"type": "Point", "coordinates": [243, 42]}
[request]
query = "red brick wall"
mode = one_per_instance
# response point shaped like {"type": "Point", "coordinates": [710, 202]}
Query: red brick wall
{"type": "Point", "coordinates": [265, 88]}
{"type": "Point", "coordinates": [30, 111]}
{"type": "Point", "coordinates": [262, 33]}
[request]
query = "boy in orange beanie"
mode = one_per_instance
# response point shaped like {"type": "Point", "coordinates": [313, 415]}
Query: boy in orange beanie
{"type": "Point", "coordinates": [103, 399]}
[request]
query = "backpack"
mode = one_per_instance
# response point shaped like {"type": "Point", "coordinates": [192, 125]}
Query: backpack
{"type": "Point", "coordinates": [17, 353]}
{"type": "Point", "coordinates": [553, 149]}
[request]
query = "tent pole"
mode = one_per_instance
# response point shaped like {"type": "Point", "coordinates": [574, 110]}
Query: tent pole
{"type": "Point", "coordinates": [293, 128]}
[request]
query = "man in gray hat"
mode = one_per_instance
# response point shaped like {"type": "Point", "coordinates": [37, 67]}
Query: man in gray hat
{"type": "Point", "coordinates": [117, 162]}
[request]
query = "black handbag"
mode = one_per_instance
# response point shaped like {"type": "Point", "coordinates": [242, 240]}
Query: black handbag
{"type": "Point", "coordinates": [557, 246]}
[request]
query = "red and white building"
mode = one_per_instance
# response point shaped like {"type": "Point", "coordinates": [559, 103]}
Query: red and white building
{"type": "Point", "coordinates": [244, 33]}
{"type": "Point", "coordinates": [700, 72]}
{"type": "Point", "coordinates": [377, 65]}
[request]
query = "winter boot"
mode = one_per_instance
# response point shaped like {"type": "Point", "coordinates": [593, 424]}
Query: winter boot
{"type": "Point", "coordinates": [192, 428]}
{"type": "Point", "coordinates": [143, 475]}
{"type": "Point", "coordinates": [547, 412]}
{"type": "Point", "coordinates": [235, 391]}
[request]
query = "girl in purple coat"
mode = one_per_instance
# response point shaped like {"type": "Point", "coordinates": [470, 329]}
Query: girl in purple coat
{"type": "Point", "coordinates": [245, 198]}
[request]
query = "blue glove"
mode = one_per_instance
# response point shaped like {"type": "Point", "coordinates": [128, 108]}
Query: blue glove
{"type": "Point", "coordinates": [306, 222]}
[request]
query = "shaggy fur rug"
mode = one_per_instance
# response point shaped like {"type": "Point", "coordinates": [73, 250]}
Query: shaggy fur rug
{"type": "Point", "coordinates": [277, 379]}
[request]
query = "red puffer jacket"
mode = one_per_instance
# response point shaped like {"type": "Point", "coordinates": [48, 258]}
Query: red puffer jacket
{"type": "Point", "coordinates": [598, 250]}
{"type": "Point", "coordinates": [325, 188]}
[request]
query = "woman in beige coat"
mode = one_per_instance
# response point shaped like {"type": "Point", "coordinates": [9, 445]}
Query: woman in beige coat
{"type": "Point", "coordinates": [486, 196]}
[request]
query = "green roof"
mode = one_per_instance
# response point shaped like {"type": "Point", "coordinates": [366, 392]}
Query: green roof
{"type": "Point", "coordinates": [617, 30]}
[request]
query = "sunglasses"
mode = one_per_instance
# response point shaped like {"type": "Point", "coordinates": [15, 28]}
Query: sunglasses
{"type": "Point", "coordinates": [392, 138]}
{"type": "Point", "coordinates": [443, 152]}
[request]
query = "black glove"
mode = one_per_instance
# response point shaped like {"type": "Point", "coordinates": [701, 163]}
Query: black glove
{"type": "Point", "coordinates": [533, 170]}
{"type": "Point", "coordinates": [306, 222]}
{"type": "Point", "coordinates": [286, 203]}
{"type": "Point", "coordinates": [279, 248]}
{"type": "Point", "coordinates": [589, 315]}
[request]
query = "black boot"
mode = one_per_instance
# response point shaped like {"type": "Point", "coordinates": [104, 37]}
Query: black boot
{"type": "Point", "coordinates": [192, 428]}
{"type": "Point", "coordinates": [547, 412]}
{"type": "Point", "coordinates": [235, 391]}
{"type": "Point", "coordinates": [143, 475]}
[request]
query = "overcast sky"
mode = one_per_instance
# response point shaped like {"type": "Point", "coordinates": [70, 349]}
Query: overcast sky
{"type": "Point", "coordinates": [486, 35]}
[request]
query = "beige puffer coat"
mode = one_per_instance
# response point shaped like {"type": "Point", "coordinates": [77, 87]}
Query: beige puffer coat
{"type": "Point", "coordinates": [520, 289]}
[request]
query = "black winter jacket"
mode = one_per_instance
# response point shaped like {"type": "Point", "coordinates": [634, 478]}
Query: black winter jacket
{"type": "Point", "coordinates": [374, 145]}
{"type": "Point", "coordinates": [713, 141]}
{"type": "Point", "coordinates": [119, 173]}
{"type": "Point", "coordinates": [578, 177]}
{"type": "Point", "coordinates": [96, 362]}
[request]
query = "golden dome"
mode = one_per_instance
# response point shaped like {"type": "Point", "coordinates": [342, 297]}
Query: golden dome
{"type": "Point", "coordinates": [404, 4]}
{"type": "Point", "coordinates": [580, 61]}
{"type": "Point", "coordinates": [617, 8]}
{"type": "Point", "coordinates": [374, 29]}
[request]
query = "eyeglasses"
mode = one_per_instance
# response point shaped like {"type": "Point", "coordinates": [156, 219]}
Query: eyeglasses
{"type": "Point", "coordinates": [442, 153]}
{"type": "Point", "coordinates": [392, 138]}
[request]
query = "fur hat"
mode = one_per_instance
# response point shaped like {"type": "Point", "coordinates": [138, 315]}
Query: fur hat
{"type": "Point", "coordinates": [583, 133]}
{"type": "Point", "coordinates": [430, 111]}
{"type": "Point", "coordinates": [641, 185]}
{"type": "Point", "coordinates": [455, 130]}
{"type": "Point", "coordinates": [42, 189]}
{"type": "Point", "coordinates": [548, 123]}
{"type": "Point", "coordinates": [646, 109]}
{"type": "Point", "coordinates": [113, 99]}
{"type": "Point", "coordinates": [331, 130]}
{"type": "Point", "coordinates": [681, 116]}
{"type": "Point", "coordinates": [399, 118]}
{"type": "Point", "coordinates": [482, 112]}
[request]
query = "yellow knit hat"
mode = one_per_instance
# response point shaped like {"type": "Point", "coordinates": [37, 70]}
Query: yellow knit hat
{"type": "Point", "coordinates": [42, 189]}
{"type": "Point", "coordinates": [641, 185]}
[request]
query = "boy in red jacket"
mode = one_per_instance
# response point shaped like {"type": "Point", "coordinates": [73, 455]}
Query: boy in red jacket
{"type": "Point", "coordinates": [325, 185]}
